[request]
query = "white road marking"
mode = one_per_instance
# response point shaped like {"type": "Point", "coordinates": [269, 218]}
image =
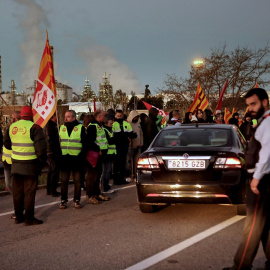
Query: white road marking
{"type": "Point", "coordinates": [184, 244]}
{"type": "Point", "coordinates": [57, 202]}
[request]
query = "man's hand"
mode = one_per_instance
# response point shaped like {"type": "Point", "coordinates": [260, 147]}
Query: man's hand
{"type": "Point", "coordinates": [253, 186]}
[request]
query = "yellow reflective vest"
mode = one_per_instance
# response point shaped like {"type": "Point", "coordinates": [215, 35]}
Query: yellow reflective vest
{"type": "Point", "coordinates": [101, 139]}
{"type": "Point", "coordinates": [111, 147]}
{"type": "Point", "coordinates": [71, 145]}
{"type": "Point", "coordinates": [22, 145]}
{"type": "Point", "coordinates": [6, 156]}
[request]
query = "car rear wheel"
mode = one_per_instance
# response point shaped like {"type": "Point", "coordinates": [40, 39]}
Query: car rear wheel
{"type": "Point", "coordinates": [241, 209]}
{"type": "Point", "coordinates": [147, 208]}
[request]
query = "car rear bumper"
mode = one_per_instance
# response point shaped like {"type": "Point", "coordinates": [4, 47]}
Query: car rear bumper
{"type": "Point", "coordinates": [166, 193]}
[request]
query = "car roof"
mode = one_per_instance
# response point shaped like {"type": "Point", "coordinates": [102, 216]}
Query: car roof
{"type": "Point", "coordinates": [198, 125]}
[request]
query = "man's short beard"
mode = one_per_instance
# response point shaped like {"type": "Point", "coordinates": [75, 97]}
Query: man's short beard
{"type": "Point", "coordinates": [260, 112]}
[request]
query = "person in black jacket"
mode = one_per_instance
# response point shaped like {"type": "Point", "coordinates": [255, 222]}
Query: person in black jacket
{"type": "Point", "coordinates": [234, 120]}
{"type": "Point", "coordinates": [23, 136]}
{"type": "Point", "coordinates": [151, 129]}
{"type": "Point", "coordinates": [71, 163]}
{"type": "Point", "coordinates": [97, 143]}
{"type": "Point", "coordinates": [246, 127]}
{"type": "Point", "coordinates": [53, 155]}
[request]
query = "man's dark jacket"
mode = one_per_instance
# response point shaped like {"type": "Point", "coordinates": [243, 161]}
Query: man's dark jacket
{"type": "Point", "coordinates": [52, 138]}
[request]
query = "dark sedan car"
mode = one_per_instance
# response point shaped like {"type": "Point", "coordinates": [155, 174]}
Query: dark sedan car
{"type": "Point", "coordinates": [193, 163]}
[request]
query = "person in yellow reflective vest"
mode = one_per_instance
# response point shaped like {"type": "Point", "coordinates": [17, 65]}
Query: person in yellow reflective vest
{"type": "Point", "coordinates": [28, 144]}
{"type": "Point", "coordinates": [98, 143]}
{"type": "Point", "coordinates": [73, 146]}
{"type": "Point", "coordinates": [122, 131]}
{"type": "Point", "coordinates": [110, 157]}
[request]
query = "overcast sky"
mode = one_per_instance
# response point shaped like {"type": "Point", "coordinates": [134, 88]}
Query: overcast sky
{"type": "Point", "coordinates": [138, 42]}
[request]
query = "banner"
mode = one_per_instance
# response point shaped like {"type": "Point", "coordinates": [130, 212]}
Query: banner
{"type": "Point", "coordinates": [44, 103]}
{"type": "Point", "coordinates": [219, 104]}
{"type": "Point", "coordinates": [200, 100]}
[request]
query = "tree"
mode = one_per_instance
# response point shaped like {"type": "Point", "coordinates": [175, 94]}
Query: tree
{"type": "Point", "coordinates": [242, 67]}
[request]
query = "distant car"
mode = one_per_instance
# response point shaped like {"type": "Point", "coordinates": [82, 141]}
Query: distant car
{"type": "Point", "coordinates": [193, 163]}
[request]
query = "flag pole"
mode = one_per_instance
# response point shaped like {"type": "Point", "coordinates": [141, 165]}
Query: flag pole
{"type": "Point", "coordinates": [56, 111]}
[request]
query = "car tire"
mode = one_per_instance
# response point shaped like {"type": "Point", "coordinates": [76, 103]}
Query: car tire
{"type": "Point", "coordinates": [147, 208]}
{"type": "Point", "coordinates": [241, 209]}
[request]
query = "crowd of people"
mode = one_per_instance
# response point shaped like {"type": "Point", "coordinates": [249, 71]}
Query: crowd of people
{"type": "Point", "coordinates": [106, 145]}
{"type": "Point", "coordinates": [94, 149]}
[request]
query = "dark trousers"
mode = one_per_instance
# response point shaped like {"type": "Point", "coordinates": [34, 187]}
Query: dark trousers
{"type": "Point", "coordinates": [106, 174]}
{"type": "Point", "coordinates": [256, 227]}
{"type": "Point", "coordinates": [65, 176]}
{"type": "Point", "coordinates": [93, 178]}
{"type": "Point", "coordinates": [53, 174]}
{"type": "Point", "coordinates": [120, 165]}
{"type": "Point", "coordinates": [24, 193]}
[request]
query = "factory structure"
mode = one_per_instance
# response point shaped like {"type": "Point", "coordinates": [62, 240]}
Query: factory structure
{"type": "Point", "coordinates": [65, 94]}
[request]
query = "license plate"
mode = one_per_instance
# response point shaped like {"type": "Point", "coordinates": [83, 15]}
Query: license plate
{"type": "Point", "coordinates": [186, 164]}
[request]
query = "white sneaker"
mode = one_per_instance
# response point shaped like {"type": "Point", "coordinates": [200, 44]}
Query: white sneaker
{"type": "Point", "coordinates": [110, 191]}
{"type": "Point", "coordinates": [128, 179]}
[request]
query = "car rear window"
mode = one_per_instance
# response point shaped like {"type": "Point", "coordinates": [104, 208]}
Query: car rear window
{"type": "Point", "coordinates": [197, 137]}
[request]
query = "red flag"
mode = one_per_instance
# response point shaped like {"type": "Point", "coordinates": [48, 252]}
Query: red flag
{"type": "Point", "coordinates": [149, 106]}
{"type": "Point", "coordinates": [219, 104]}
{"type": "Point", "coordinates": [44, 103]}
{"type": "Point", "coordinates": [233, 110]}
{"type": "Point", "coordinates": [227, 115]}
{"type": "Point", "coordinates": [256, 85]}
{"type": "Point", "coordinates": [95, 104]}
{"type": "Point", "coordinates": [200, 100]}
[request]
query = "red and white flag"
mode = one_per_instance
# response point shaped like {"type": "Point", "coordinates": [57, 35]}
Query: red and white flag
{"type": "Point", "coordinates": [149, 106]}
{"type": "Point", "coordinates": [44, 103]}
{"type": "Point", "coordinates": [160, 112]}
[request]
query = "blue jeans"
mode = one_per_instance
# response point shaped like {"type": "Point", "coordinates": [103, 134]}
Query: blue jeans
{"type": "Point", "coordinates": [65, 176]}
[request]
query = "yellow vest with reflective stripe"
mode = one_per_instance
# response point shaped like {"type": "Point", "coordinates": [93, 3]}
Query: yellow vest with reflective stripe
{"type": "Point", "coordinates": [6, 156]}
{"type": "Point", "coordinates": [111, 147]}
{"type": "Point", "coordinates": [126, 127]}
{"type": "Point", "coordinates": [22, 145]}
{"type": "Point", "coordinates": [71, 145]}
{"type": "Point", "coordinates": [101, 139]}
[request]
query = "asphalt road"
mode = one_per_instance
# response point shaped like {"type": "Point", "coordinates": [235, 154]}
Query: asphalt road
{"type": "Point", "coordinates": [116, 235]}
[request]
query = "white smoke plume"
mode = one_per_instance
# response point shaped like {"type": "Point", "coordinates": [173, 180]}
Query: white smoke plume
{"type": "Point", "coordinates": [99, 59]}
{"type": "Point", "coordinates": [32, 23]}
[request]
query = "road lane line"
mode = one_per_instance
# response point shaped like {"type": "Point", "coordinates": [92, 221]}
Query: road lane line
{"type": "Point", "coordinates": [57, 202]}
{"type": "Point", "coordinates": [184, 244]}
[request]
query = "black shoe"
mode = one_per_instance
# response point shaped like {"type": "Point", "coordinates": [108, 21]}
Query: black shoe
{"type": "Point", "coordinates": [56, 194]}
{"type": "Point", "coordinates": [19, 220]}
{"type": "Point", "coordinates": [33, 221]}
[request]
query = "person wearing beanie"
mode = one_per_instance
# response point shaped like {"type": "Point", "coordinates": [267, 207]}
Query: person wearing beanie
{"type": "Point", "coordinates": [29, 152]}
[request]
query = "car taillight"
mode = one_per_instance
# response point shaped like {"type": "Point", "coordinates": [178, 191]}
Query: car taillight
{"type": "Point", "coordinates": [229, 162]}
{"type": "Point", "coordinates": [148, 163]}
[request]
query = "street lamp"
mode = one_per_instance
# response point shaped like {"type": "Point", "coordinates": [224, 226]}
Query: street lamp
{"type": "Point", "coordinates": [198, 63]}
